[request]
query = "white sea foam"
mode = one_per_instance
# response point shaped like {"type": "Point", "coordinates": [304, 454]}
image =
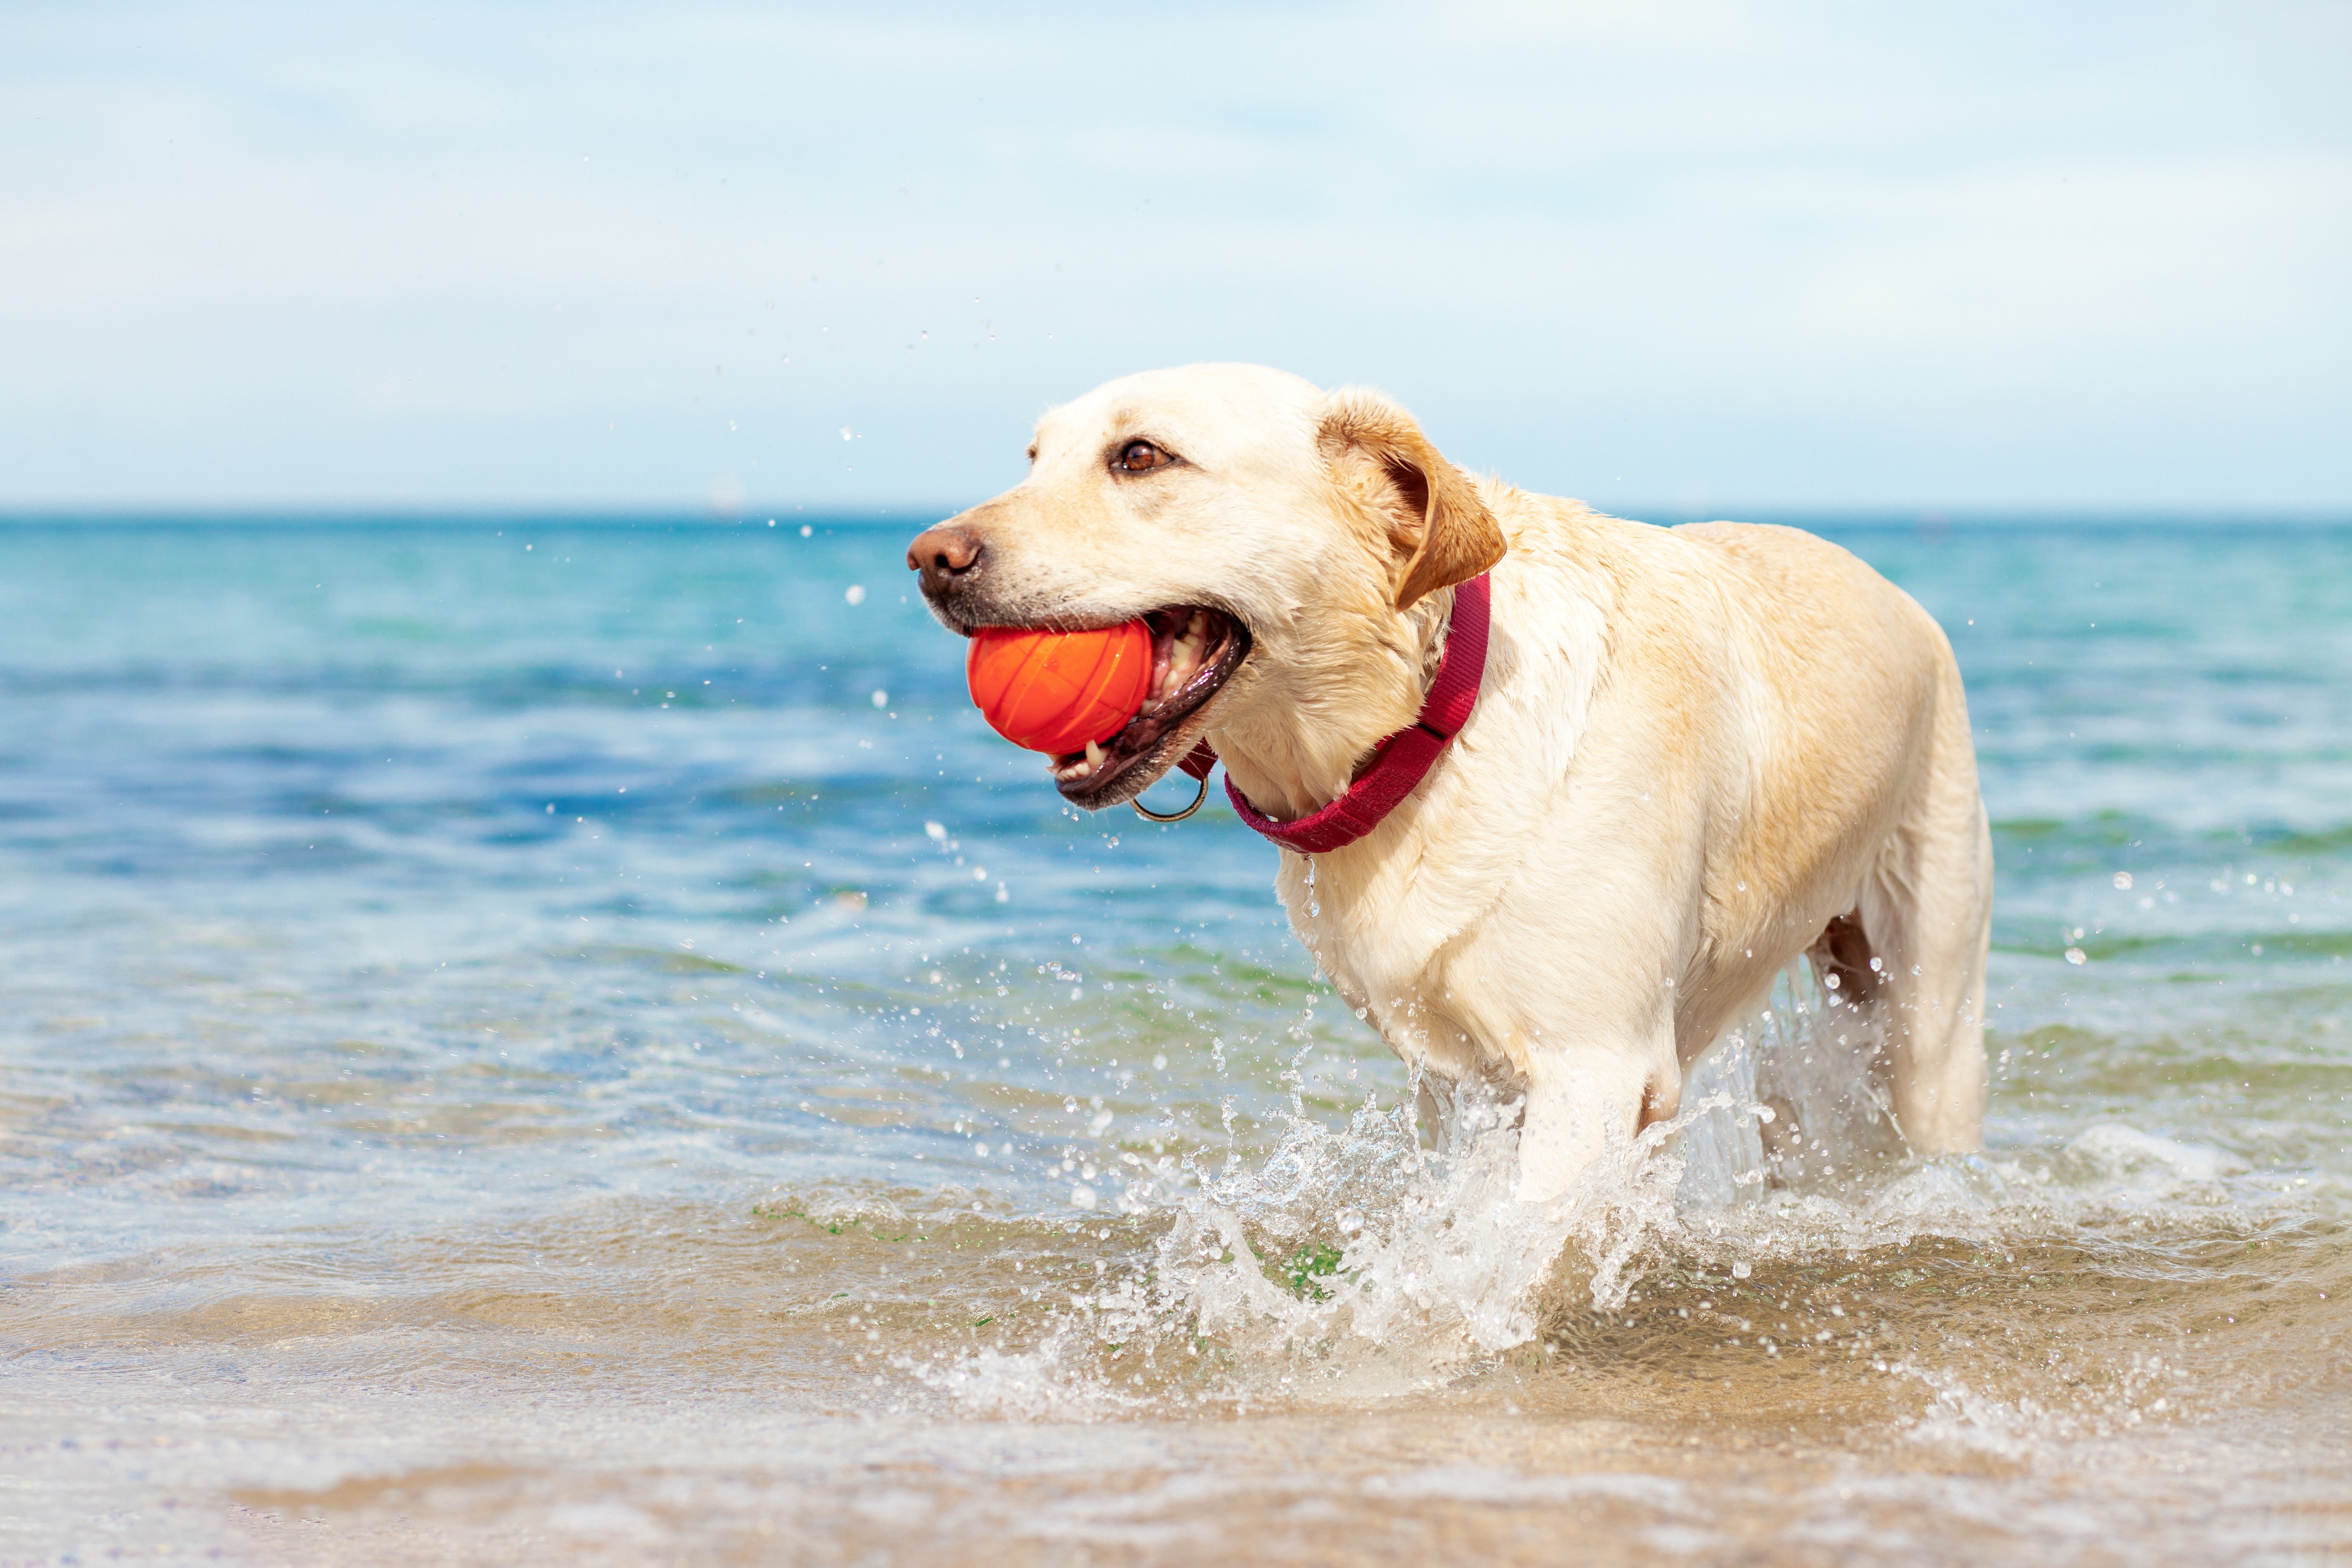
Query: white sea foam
{"type": "Point", "coordinates": [2121, 1154]}
{"type": "Point", "coordinates": [1961, 1416]}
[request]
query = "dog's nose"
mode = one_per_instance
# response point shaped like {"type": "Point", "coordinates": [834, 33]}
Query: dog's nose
{"type": "Point", "coordinates": [943, 555]}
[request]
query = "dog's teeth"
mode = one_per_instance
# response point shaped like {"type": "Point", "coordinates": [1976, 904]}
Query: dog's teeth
{"type": "Point", "coordinates": [1187, 651]}
{"type": "Point", "coordinates": [1094, 756]}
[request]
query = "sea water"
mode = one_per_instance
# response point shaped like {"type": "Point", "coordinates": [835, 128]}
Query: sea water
{"type": "Point", "coordinates": [550, 1040]}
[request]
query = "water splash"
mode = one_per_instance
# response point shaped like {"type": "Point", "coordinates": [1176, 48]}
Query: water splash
{"type": "Point", "coordinates": [1386, 1255]}
{"type": "Point", "coordinates": [1351, 1261]}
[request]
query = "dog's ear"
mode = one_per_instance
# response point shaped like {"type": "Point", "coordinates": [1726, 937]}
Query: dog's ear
{"type": "Point", "coordinates": [1437, 525]}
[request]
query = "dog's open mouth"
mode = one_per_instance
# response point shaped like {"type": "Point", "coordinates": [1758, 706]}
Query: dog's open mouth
{"type": "Point", "coordinates": [1194, 651]}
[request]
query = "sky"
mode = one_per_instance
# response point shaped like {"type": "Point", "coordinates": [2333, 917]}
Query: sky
{"type": "Point", "coordinates": [732, 259]}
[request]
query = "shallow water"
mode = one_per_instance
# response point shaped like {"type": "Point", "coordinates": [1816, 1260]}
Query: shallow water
{"type": "Point", "coordinates": [537, 1039]}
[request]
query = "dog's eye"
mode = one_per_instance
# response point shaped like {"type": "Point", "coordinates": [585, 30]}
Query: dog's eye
{"type": "Point", "coordinates": [1142, 457]}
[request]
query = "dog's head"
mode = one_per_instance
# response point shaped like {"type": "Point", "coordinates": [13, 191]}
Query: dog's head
{"type": "Point", "coordinates": [1273, 536]}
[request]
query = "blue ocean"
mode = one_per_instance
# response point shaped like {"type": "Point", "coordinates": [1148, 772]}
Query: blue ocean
{"type": "Point", "coordinates": [553, 1037]}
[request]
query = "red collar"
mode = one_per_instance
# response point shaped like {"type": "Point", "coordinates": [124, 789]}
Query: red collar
{"type": "Point", "coordinates": [1398, 762]}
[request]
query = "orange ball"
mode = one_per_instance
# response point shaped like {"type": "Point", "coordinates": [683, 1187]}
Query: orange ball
{"type": "Point", "coordinates": [1054, 691]}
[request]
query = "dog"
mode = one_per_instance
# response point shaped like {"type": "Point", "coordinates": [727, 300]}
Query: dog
{"type": "Point", "coordinates": [1695, 752]}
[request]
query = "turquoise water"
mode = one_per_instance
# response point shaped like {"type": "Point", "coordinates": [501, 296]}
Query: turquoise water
{"type": "Point", "coordinates": [499, 1002]}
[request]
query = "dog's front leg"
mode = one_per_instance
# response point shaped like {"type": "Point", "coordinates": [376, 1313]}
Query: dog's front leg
{"type": "Point", "coordinates": [1585, 1100]}
{"type": "Point", "coordinates": [1588, 1042]}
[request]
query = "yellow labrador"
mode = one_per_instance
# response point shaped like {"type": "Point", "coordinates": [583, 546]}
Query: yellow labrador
{"type": "Point", "coordinates": [1695, 752]}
